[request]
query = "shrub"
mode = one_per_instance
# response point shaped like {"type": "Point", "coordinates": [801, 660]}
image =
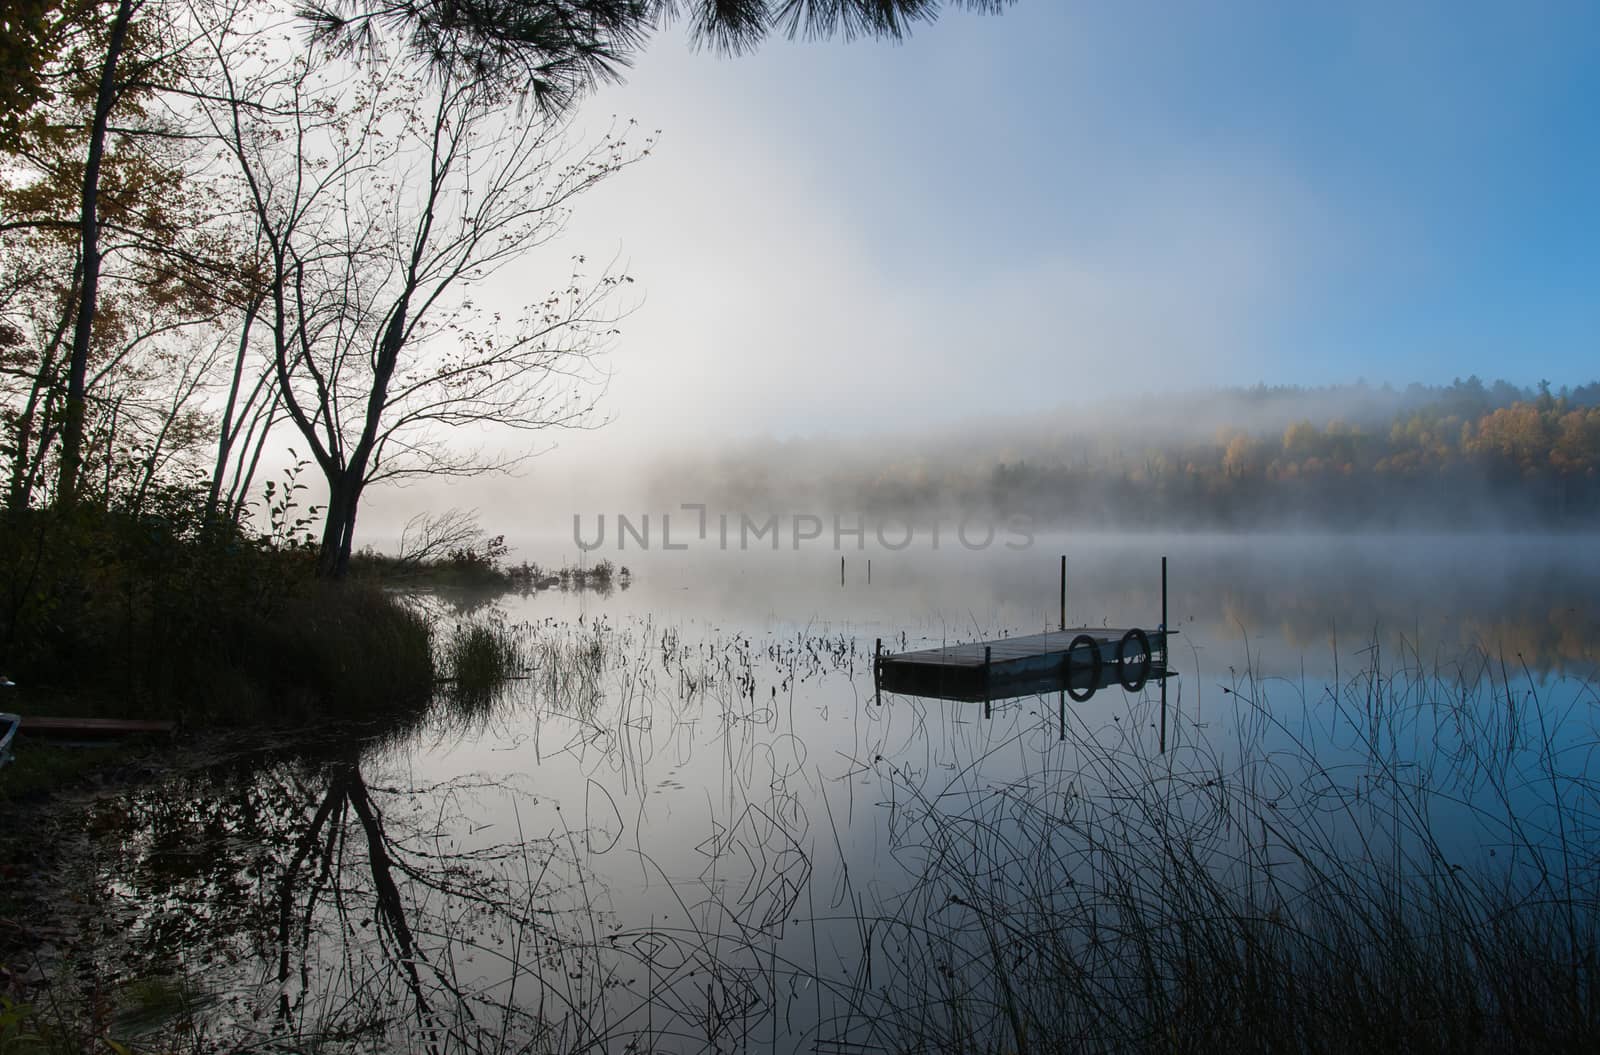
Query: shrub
{"type": "Point", "coordinates": [141, 616]}
{"type": "Point", "coordinates": [481, 657]}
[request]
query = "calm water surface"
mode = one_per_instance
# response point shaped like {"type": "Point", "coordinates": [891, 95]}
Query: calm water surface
{"type": "Point", "coordinates": [691, 827]}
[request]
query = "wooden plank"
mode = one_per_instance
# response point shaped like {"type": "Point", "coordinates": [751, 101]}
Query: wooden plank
{"type": "Point", "coordinates": [91, 727]}
{"type": "Point", "coordinates": [1053, 643]}
{"type": "Point", "coordinates": [972, 684]}
{"type": "Point", "coordinates": [1016, 666]}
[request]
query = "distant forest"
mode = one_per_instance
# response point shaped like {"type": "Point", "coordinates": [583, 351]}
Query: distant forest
{"type": "Point", "coordinates": [1468, 455]}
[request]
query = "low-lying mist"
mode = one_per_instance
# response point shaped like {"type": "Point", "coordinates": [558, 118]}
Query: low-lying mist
{"type": "Point", "coordinates": [1465, 456]}
{"type": "Point", "coordinates": [1469, 456]}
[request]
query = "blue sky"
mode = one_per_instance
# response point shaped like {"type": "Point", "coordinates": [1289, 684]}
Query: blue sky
{"type": "Point", "coordinates": [1072, 200]}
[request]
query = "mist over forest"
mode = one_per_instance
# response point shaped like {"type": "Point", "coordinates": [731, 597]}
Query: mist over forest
{"type": "Point", "coordinates": [1470, 455]}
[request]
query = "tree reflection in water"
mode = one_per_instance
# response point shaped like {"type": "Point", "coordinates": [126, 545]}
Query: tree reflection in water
{"type": "Point", "coordinates": [328, 896]}
{"type": "Point", "coordinates": [307, 903]}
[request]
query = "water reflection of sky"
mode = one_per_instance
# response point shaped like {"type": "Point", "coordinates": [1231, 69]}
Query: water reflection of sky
{"type": "Point", "coordinates": [1294, 599]}
{"type": "Point", "coordinates": [692, 822]}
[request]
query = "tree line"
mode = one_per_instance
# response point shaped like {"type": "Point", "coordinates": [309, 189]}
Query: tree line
{"type": "Point", "coordinates": [1465, 454]}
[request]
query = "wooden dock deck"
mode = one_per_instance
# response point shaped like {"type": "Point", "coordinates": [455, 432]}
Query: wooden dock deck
{"type": "Point", "coordinates": [1079, 661]}
{"type": "Point", "coordinates": [90, 728]}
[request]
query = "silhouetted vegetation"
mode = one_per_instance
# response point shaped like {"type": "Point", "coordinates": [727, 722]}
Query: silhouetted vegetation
{"type": "Point", "coordinates": [452, 551]}
{"type": "Point", "coordinates": [155, 615]}
{"type": "Point", "coordinates": [555, 51]}
{"type": "Point", "coordinates": [602, 576]}
{"type": "Point", "coordinates": [467, 558]}
{"type": "Point", "coordinates": [480, 657]}
{"type": "Point", "coordinates": [170, 303]}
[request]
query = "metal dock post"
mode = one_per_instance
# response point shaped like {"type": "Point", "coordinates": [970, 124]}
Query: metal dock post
{"type": "Point", "coordinates": [987, 666]}
{"type": "Point", "coordinates": [1062, 625]}
{"type": "Point", "coordinates": [1166, 654]}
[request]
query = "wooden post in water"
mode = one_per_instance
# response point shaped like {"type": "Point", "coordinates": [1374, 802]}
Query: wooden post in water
{"type": "Point", "coordinates": [1166, 654]}
{"type": "Point", "coordinates": [1063, 624]}
{"type": "Point", "coordinates": [877, 676]}
{"type": "Point", "coordinates": [986, 701]}
{"type": "Point", "coordinates": [1061, 707]}
{"type": "Point", "coordinates": [841, 571]}
{"type": "Point", "coordinates": [869, 571]}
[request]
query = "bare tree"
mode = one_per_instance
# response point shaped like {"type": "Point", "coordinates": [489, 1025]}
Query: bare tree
{"type": "Point", "coordinates": [384, 197]}
{"type": "Point", "coordinates": [431, 536]}
{"type": "Point", "coordinates": [250, 407]}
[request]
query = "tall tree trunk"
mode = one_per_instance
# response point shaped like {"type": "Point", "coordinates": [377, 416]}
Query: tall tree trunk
{"type": "Point", "coordinates": [36, 420]}
{"type": "Point", "coordinates": [249, 460]}
{"type": "Point", "coordinates": [25, 456]}
{"type": "Point", "coordinates": [349, 538]}
{"type": "Point", "coordinates": [338, 529]}
{"type": "Point", "coordinates": [332, 529]}
{"type": "Point", "coordinates": [78, 367]}
{"type": "Point", "coordinates": [228, 431]}
{"type": "Point", "coordinates": [110, 455]}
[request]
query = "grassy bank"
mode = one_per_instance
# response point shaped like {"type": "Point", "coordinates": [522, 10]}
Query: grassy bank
{"type": "Point", "coordinates": [107, 616]}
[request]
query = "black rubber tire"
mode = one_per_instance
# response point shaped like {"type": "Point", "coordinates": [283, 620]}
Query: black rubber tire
{"type": "Point", "coordinates": [1134, 684]}
{"type": "Point", "coordinates": [1099, 664]}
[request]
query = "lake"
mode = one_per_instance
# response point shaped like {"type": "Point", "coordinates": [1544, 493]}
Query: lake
{"type": "Point", "coordinates": [692, 825]}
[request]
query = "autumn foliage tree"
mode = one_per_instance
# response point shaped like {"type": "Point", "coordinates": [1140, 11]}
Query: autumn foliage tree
{"type": "Point", "coordinates": [111, 266]}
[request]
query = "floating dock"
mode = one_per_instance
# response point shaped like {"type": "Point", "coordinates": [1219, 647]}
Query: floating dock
{"type": "Point", "coordinates": [1079, 661]}
{"type": "Point", "coordinates": [1076, 662]}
